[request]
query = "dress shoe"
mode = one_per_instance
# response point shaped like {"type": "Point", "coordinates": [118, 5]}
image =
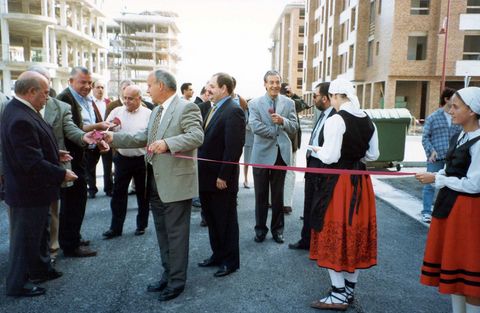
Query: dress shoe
{"type": "Point", "coordinates": [139, 232]}
{"type": "Point", "coordinates": [109, 193]}
{"type": "Point", "coordinates": [245, 185]}
{"type": "Point", "coordinates": [157, 287]}
{"type": "Point", "coordinates": [109, 234]}
{"type": "Point", "coordinates": [278, 238]}
{"type": "Point", "coordinates": [196, 203]}
{"type": "Point", "coordinates": [224, 271]}
{"type": "Point", "coordinates": [170, 293]}
{"type": "Point", "coordinates": [49, 275]}
{"type": "Point", "coordinates": [329, 306]}
{"type": "Point", "coordinates": [30, 292]}
{"type": "Point", "coordinates": [91, 195]}
{"type": "Point", "coordinates": [207, 263]}
{"type": "Point", "coordinates": [203, 223]}
{"type": "Point", "coordinates": [80, 252]}
{"type": "Point", "coordinates": [299, 245]}
{"type": "Point", "coordinates": [84, 242]}
{"type": "Point", "coordinates": [259, 238]}
{"type": "Point", "coordinates": [287, 210]}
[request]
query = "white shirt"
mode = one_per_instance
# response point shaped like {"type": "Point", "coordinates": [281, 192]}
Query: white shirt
{"type": "Point", "coordinates": [101, 106]}
{"type": "Point", "coordinates": [165, 106]}
{"type": "Point", "coordinates": [319, 125]}
{"type": "Point", "coordinates": [333, 132]}
{"type": "Point", "coordinates": [131, 123]}
{"type": "Point", "coordinates": [470, 183]}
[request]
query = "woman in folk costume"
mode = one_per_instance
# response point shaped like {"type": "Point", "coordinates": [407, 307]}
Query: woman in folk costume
{"type": "Point", "coordinates": [452, 252]}
{"type": "Point", "coordinates": [344, 229]}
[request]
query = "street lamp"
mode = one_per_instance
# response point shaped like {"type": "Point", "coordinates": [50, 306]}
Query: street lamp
{"type": "Point", "coordinates": [444, 30]}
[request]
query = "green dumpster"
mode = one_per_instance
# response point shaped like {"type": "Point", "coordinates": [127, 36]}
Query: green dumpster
{"type": "Point", "coordinates": [392, 126]}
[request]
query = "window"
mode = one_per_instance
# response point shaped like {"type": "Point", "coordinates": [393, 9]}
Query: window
{"type": "Point", "coordinates": [330, 8]}
{"type": "Point", "coordinates": [329, 60]}
{"type": "Point", "coordinates": [473, 6]}
{"type": "Point", "coordinates": [370, 53]}
{"type": "Point", "coordinates": [300, 48]}
{"type": "Point", "coordinates": [377, 48]}
{"type": "Point", "coordinates": [301, 30]}
{"type": "Point", "coordinates": [317, 50]}
{"type": "Point", "coordinates": [299, 83]}
{"type": "Point", "coordinates": [419, 7]}
{"type": "Point", "coordinates": [417, 48]}
{"type": "Point", "coordinates": [317, 25]}
{"type": "Point", "coordinates": [343, 63]}
{"type": "Point", "coordinates": [379, 7]}
{"type": "Point", "coordinates": [321, 43]}
{"type": "Point", "coordinates": [329, 36]}
{"type": "Point", "coordinates": [471, 48]}
{"type": "Point", "coordinates": [300, 66]}
{"type": "Point", "coordinates": [372, 12]}
{"type": "Point", "coordinates": [320, 68]}
{"type": "Point", "coordinates": [302, 13]}
{"type": "Point", "coordinates": [352, 19]}
{"type": "Point", "coordinates": [350, 56]}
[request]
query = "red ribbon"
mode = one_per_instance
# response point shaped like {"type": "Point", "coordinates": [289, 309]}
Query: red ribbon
{"type": "Point", "coordinates": [300, 169]}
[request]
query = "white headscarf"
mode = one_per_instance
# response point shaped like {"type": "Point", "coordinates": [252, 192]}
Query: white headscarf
{"type": "Point", "coordinates": [471, 97]}
{"type": "Point", "coordinates": [343, 86]}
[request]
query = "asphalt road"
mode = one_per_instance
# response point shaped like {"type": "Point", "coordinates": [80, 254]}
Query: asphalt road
{"type": "Point", "coordinates": [272, 278]}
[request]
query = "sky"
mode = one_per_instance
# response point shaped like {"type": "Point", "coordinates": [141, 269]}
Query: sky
{"type": "Point", "coordinates": [231, 36]}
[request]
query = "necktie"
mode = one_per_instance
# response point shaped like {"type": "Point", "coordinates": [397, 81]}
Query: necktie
{"type": "Point", "coordinates": [274, 106]}
{"type": "Point", "coordinates": [152, 134]}
{"type": "Point", "coordinates": [314, 133]}
{"type": "Point", "coordinates": [209, 117]}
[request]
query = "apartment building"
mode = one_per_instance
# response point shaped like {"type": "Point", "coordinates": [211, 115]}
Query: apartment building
{"type": "Point", "coordinates": [55, 34]}
{"type": "Point", "coordinates": [393, 50]}
{"type": "Point", "coordinates": [140, 43]}
{"type": "Point", "coordinates": [288, 45]}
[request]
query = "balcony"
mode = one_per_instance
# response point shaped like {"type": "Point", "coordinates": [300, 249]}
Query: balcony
{"type": "Point", "coordinates": [469, 22]}
{"type": "Point", "coordinates": [467, 68]}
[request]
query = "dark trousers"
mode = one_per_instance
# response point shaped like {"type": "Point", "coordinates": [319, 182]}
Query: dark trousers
{"type": "Point", "coordinates": [308, 199]}
{"type": "Point", "coordinates": [28, 230]}
{"type": "Point", "coordinates": [92, 156]}
{"type": "Point", "coordinates": [263, 179]}
{"type": "Point", "coordinates": [72, 211]}
{"type": "Point", "coordinates": [172, 225]}
{"type": "Point", "coordinates": [127, 168]}
{"type": "Point", "coordinates": [220, 209]}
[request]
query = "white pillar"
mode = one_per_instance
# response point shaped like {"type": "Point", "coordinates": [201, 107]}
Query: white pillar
{"type": "Point", "coordinates": [98, 62]}
{"type": "Point", "coordinates": [372, 95]}
{"type": "Point", "coordinates": [97, 29]}
{"type": "Point", "coordinates": [90, 59]}
{"type": "Point", "coordinates": [44, 7]}
{"type": "Point", "coordinates": [3, 6]}
{"type": "Point", "coordinates": [104, 31]}
{"type": "Point", "coordinates": [5, 40]}
{"type": "Point", "coordinates": [81, 24]}
{"type": "Point", "coordinates": [73, 9]}
{"type": "Point", "coordinates": [64, 44]}
{"type": "Point", "coordinates": [82, 56]}
{"type": "Point", "coordinates": [90, 24]}
{"type": "Point", "coordinates": [51, 6]}
{"type": "Point", "coordinates": [7, 82]}
{"type": "Point", "coordinates": [75, 54]}
{"type": "Point", "coordinates": [46, 45]}
{"type": "Point", "coordinates": [63, 13]}
{"type": "Point", "coordinates": [53, 47]}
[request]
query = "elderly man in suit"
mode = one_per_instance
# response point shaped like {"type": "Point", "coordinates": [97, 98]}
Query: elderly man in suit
{"type": "Point", "coordinates": [175, 126]}
{"type": "Point", "coordinates": [273, 121]}
{"type": "Point", "coordinates": [323, 104]}
{"type": "Point", "coordinates": [33, 176]}
{"type": "Point", "coordinates": [224, 138]}
{"type": "Point", "coordinates": [74, 198]}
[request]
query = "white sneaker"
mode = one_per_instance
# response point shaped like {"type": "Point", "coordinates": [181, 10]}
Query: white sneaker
{"type": "Point", "coordinates": [426, 218]}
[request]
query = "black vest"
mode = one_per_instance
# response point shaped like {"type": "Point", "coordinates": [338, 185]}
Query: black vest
{"type": "Point", "coordinates": [457, 161]}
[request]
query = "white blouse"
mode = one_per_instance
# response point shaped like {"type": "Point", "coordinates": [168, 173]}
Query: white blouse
{"type": "Point", "coordinates": [470, 183]}
{"type": "Point", "coordinates": [333, 132]}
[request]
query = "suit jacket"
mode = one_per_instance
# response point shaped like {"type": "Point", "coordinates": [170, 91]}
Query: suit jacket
{"type": "Point", "coordinates": [58, 114]}
{"type": "Point", "coordinates": [204, 108]}
{"type": "Point", "coordinates": [224, 139]}
{"type": "Point", "coordinates": [112, 105]}
{"type": "Point", "coordinates": [268, 137]}
{"type": "Point", "coordinates": [181, 128]}
{"type": "Point", "coordinates": [3, 104]}
{"type": "Point", "coordinates": [33, 173]}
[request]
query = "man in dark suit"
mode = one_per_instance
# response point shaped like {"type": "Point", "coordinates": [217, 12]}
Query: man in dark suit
{"type": "Point", "coordinates": [74, 198]}
{"type": "Point", "coordinates": [224, 138]}
{"type": "Point", "coordinates": [33, 176]}
{"type": "Point", "coordinates": [203, 102]}
{"type": "Point", "coordinates": [322, 103]}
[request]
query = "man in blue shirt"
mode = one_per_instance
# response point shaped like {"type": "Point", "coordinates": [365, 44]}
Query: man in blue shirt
{"type": "Point", "coordinates": [437, 131]}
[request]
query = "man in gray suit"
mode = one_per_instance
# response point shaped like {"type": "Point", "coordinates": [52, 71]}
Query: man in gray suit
{"type": "Point", "coordinates": [175, 126]}
{"type": "Point", "coordinates": [273, 121]}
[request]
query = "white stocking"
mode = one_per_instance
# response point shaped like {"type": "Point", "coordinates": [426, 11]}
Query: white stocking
{"type": "Point", "coordinates": [351, 277]}
{"type": "Point", "coordinates": [337, 278]}
{"type": "Point", "coordinates": [473, 308]}
{"type": "Point", "coordinates": [458, 304]}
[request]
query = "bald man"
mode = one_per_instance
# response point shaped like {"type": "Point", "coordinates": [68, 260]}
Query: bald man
{"type": "Point", "coordinates": [33, 176]}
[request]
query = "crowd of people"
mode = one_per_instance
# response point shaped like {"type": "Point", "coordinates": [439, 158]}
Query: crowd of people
{"type": "Point", "coordinates": [51, 147]}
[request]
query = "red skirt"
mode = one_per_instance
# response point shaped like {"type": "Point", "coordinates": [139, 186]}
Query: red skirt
{"type": "Point", "coordinates": [452, 252]}
{"type": "Point", "coordinates": [343, 247]}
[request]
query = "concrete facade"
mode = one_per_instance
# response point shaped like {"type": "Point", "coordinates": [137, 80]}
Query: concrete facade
{"type": "Point", "coordinates": [392, 50]}
{"type": "Point", "coordinates": [55, 34]}
{"type": "Point", "coordinates": [140, 43]}
{"type": "Point", "coordinates": [288, 45]}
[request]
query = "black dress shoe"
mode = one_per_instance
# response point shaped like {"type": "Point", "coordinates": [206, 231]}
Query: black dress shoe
{"type": "Point", "coordinates": [91, 195]}
{"type": "Point", "coordinates": [208, 263]}
{"type": "Point", "coordinates": [109, 234]}
{"type": "Point", "coordinates": [139, 232]}
{"type": "Point", "coordinates": [80, 252]}
{"type": "Point", "coordinates": [203, 223]}
{"type": "Point", "coordinates": [278, 238]}
{"type": "Point", "coordinates": [84, 242]}
{"type": "Point", "coordinates": [299, 245]}
{"type": "Point", "coordinates": [259, 238]}
{"type": "Point", "coordinates": [109, 193]}
{"type": "Point", "coordinates": [170, 293]}
{"type": "Point", "coordinates": [50, 275]}
{"type": "Point", "coordinates": [224, 271]}
{"type": "Point", "coordinates": [30, 292]}
{"type": "Point", "coordinates": [157, 287]}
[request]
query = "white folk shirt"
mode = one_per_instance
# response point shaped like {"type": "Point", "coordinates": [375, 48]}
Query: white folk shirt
{"type": "Point", "coordinates": [101, 106]}
{"type": "Point", "coordinates": [131, 123]}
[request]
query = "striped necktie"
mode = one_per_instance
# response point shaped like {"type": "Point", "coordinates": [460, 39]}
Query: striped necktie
{"type": "Point", "coordinates": [209, 117]}
{"type": "Point", "coordinates": [152, 134]}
